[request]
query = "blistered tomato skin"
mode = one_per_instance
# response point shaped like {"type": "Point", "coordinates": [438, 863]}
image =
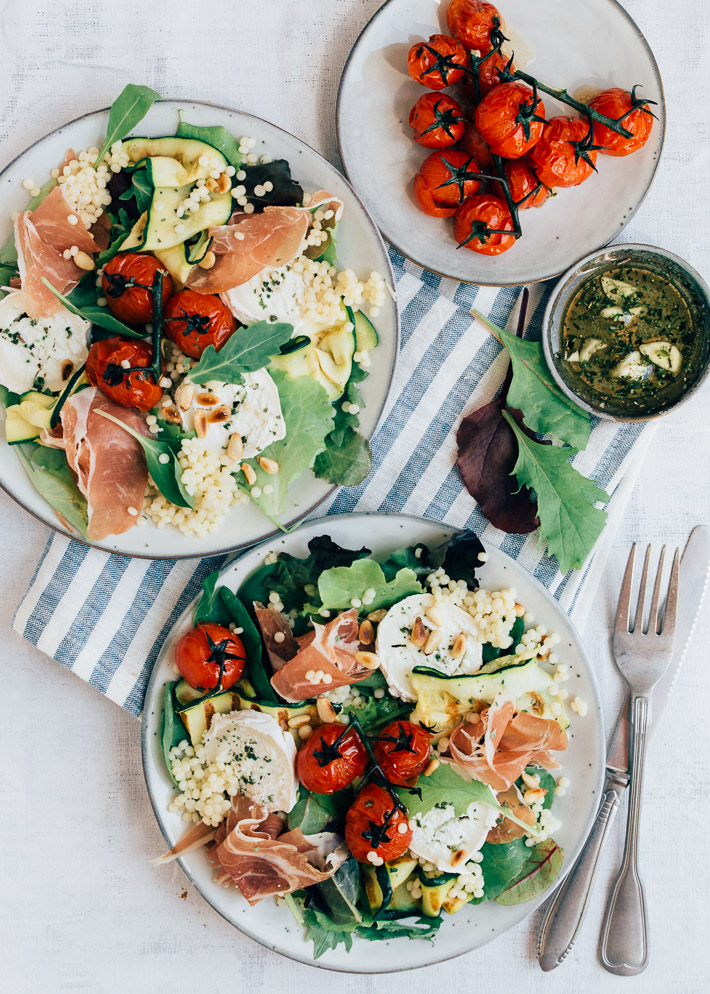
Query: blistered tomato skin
{"type": "Point", "coordinates": [442, 182]}
{"type": "Point", "coordinates": [556, 158]}
{"type": "Point", "coordinates": [331, 759]}
{"type": "Point", "coordinates": [195, 320]}
{"type": "Point", "coordinates": [438, 62]}
{"type": "Point", "coordinates": [636, 117]}
{"type": "Point", "coordinates": [481, 224]}
{"type": "Point", "coordinates": [525, 188]}
{"type": "Point", "coordinates": [111, 366]}
{"type": "Point", "coordinates": [437, 120]}
{"type": "Point", "coordinates": [471, 21]}
{"type": "Point", "coordinates": [374, 825]}
{"type": "Point", "coordinates": [403, 750]}
{"type": "Point", "coordinates": [127, 282]}
{"type": "Point", "coordinates": [205, 651]}
{"type": "Point", "coordinates": [510, 121]}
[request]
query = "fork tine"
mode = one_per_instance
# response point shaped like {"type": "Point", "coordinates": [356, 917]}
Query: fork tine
{"type": "Point", "coordinates": [638, 621]}
{"type": "Point", "coordinates": [622, 612]}
{"type": "Point", "coordinates": [653, 614]}
{"type": "Point", "coordinates": [672, 599]}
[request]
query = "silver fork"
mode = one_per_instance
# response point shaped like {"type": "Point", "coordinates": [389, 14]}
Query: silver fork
{"type": "Point", "coordinates": [642, 657]}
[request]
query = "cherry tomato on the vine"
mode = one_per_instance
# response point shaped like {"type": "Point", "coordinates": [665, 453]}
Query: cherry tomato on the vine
{"type": "Point", "coordinates": [510, 119]}
{"type": "Point", "coordinates": [331, 759]}
{"type": "Point", "coordinates": [208, 651]}
{"type": "Point", "coordinates": [472, 143]}
{"type": "Point", "coordinates": [444, 181]}
{"type": "Point", "coordinates": [471, 21]}
{"type": "Point", "coordinates": [525, 188]}
{"type": "Point", "coordinates": [195, 320]}
{"type": "Point", "coordinates": [120, 368]}
{"type": "Point", "coordinates": [402, 750]}
{"type": "Point", "coordinates": [127, 282]}
{"type": "Point", "coordinates": [565, 154]}
{"type": "Point", "coordinates": [488, 74]}
{"type": "Point", "coordinates": [482, 223]}
{"type": "Point", "coordinates": [437, 120]}
{"type": "Point", "coordinates": [373, 824]}
{"type": "Point", "coordinates": [438, 62]}
{"type": "Point", "coordinates": [633, 114]}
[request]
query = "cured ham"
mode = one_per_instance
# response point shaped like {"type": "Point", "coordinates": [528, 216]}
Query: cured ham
{"type": "Point", "coordinates": [329, 649]}
{"type": "Point", "coordinates": [251, 854]}
{"type": "Point", "coordinates": [497, 749]}
{"type": "Point", "coordinates": [507, 830]}
{"type": "Point", "coordinates": [196, 837]}
{"type": "Point", "coordinates": [108, 463]}
{"type": "Point", "coordinates": [41, 237]}
{"type": "Point", "coordinates": [272, 623]}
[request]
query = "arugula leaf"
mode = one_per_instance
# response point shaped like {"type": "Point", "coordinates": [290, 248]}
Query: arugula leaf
{"type": "Point", "coordinates": [570, 522]}
{"type": "Point", "coordinates": [209, 608]}
{"type": "Point", "coordinates": [255, 671]}
{"type": "Point", "coordinates": [324, 933]}
{"type": "Point", "coordinates": [173, 730]}
{"type": "Point", "coordinates": [217, 136]}
{"type": "Point", "coordinates": [51, 477]}
{"type": "Point", "coordinates": [286, 191]}
{"type": "Point", "coordinates": [165, 475]}
{"type": "Point", "coordinates": [339, 895]}
{"type": "Point", "coordinates": [377, 712]}
{"type": "Point", "coordinates": [128, 109]}
{"type": "Point", "coordinates": [141, 189]}
{"type": "Point", "coordinates": [7, 397]}
{"type": "Point", "coordinates": [534, 392]}
{"type": "Point", "coordinates": [541, 867]}
{"type": "Point", "coordinates": [446, 786]}
{"type": "Point", "coordinates": [308, 416]}
{"type": "Point", "coordinates": [313, 812]}
{"type": "Point", "coordinates": [339, 586]}
{"type": "Point", "coordinates": [246, 351]}
{"type": "Point", "coordinates": [101, 316]}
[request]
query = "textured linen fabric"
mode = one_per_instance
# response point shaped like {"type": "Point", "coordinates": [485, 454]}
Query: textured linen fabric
{"type": "Point", "coordinates": [86, 912]}
{"type": "Point", "coordinates": [106, 618]}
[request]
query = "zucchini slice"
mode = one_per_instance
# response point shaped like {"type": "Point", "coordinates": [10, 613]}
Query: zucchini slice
{"type": "Point", "coordinates": [366, 338]}
{"type": "Point", "coordinates": [175, 161]}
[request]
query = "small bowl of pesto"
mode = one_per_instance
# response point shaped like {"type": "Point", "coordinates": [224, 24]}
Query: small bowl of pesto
{"type": "Point", "coordinates": [626, 332]}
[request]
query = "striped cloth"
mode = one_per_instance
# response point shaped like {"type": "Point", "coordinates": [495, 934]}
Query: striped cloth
{"type": "Point", "coordinates": [106, 617]}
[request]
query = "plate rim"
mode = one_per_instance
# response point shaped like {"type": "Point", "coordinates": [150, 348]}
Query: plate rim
{"type": "Point", "coordinates": [597, 710]}
{"type": "Point", "coordinates": [294, 522]}
{"type": "Point", "coordinates": [552, 276]}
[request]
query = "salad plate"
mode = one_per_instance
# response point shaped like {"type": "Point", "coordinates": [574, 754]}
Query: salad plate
{"type": "Point", "coordinates": [584, 48]}
{"type": "Point", "coordinates": [356, 253]}
{"type": "Point", "coordinates": [181, 727]}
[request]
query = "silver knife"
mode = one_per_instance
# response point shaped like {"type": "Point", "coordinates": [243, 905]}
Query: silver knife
{"type": "Point", "coordinates": [565, 912]}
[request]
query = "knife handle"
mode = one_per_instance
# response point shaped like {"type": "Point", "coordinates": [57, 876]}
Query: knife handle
{"type": "Point", "coordinates": [565, 912]}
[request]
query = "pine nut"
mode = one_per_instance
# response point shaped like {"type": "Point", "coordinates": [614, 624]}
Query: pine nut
{"type": "Point", "coordinates": [235, 448]}
{"type": "Point", "coordinates": [207, 261]}
{"type": "Point", "coordinates": [435, 616]}
{"type": "Point", "coordinates": [377, 615]}
{"type": "Point", "coordinates": [67, 369]}
{"type": "Point", "coordinates": [533, 796]}
{"type": "Point", "coordinates": [220, 415]}
{"type": "Point", "coordinates": [432, 766]}
{"type": "Point", "coordinates": [459, 646]}
{"type": "Point", "coordinates": [519, 610]}
{"type": "Point", "coordinates": [366, 633]}
{"type": "Point", "coordinates": [460, 856]}
{"type": "Point", "coordinates": [543, 654]}
{"type": "Point", "coordinates": [249, 473]}
{"type": "Point", "coordinates": [84, 261]}
{"type": "Point", "coordinates": [419, 633]}
{"type": "Point", "coordinates": [433, 642]}
{"type": "Point", "coordinates": [299, 720]}
{"type": "Point", "coordinates": [184, 396]}
{"type": "Point", "coordinates": [200, 424]}
{"type": "Point", "coordinates": [326, 711]}
{"type": "Point", "coordinates": [530, 781]}
{"type": "Point", "coordinates": [173, 416]}
{"type": "Point", "coordinates": [207, 398]}
{"type": "Point", "coordinates": [369, 660]}
{"type": "Point", "coordinates": [269, 466]}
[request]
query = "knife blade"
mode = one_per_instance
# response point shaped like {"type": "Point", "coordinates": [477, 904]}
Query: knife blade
{"type": "Point", "coordinates": [565, 912]}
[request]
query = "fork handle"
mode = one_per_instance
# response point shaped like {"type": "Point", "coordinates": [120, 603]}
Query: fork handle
{"type": "Point", "coordinates": [624, 940]}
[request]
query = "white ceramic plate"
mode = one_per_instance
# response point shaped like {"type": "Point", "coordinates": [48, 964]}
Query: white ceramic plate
{"type": "Point", "coordinates": [594, 43]}
{"type": "Point", "coordinates": [360, 248]}
{"type": "Point", "coordinates": [583, 762]}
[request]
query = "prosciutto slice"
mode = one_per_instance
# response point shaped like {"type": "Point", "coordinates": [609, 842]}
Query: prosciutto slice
{"type": "Point", "coordinates": [497, 749]}
{"type": "Point", "coordinates": [329, 648]}
{"type": "Point", "coordinates": [196, 837]}
{"type": "Point", "coordinates": [41, 236]}
{"type": "Point", "coordinates": [273, 623]}
{"type": "Point", "coordinates": [108, 463]}
{"type": "Point", "coordinates": [251, 854]}
{"type": "Point", "coordinates": [507, 830]}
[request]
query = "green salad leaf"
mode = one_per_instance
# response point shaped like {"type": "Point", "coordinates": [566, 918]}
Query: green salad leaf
{"type": "Point", "coordinates": [308, 417]}
{"type": "Point", "coordinates": [533, 391]}
{"type": "Point", "coordinates": [141, 189]}
{"type": "Point", "coordinates": [570, 521]}
{"type": "Point", "coordinates": [101, 316]}
{"type": "Point", "coordinates": [247, 350]}
{"type": "Point", "coordinates": [338, 587]}
{"type": "Point", "coordinates": [340, 894]}
{"type": "Point", "coordinates": [166, 474]}
{"type": "Point", "coordinates": [542, 864]}
{"type": "Point", "coordinates": [217, 136]}
{"type": "Point", "coordinates": [446, 786]}
{"type": "Point", "coordinates": [128, 109]}
{"type": "Point", "coordinates": [346, 459]}
{"type": "Point", "coordinates": [326, 934]}
{"type": "Point", "coordinates": [173, 730]}
{"type": "Point", "coordinates": [286, 191]}
{"type": "Point", "coordinates": [312, 812]}
{"type": "Point", "coordinates": [501, 865]}
{"type": "Point", "coordinates": [547, 782]}
{"type": "Point", "coordinates": [210, 607]}
{"type": "Point", "coordinates": [7, 397]}
{"type": "Point", "coordinates": [51, 477]}
{"type": "Point", "coordinates": [401, 928]}
{"type": "Point", "coordinates": [490, 652]}
{"type": "Point", "coordinates": [377, 711]}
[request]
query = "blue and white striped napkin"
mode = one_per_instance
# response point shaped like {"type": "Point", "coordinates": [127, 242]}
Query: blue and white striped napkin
{"type": "Point", "coordinates": [105, 617]}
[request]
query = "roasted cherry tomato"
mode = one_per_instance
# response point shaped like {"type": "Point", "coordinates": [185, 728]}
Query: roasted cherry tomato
{"type": "Point", "coordinates": [481, 224]}
{"type": "Point", "coordinates": [632, 113]}
{"type": "Point", "coordinates": [471, 21]}
{"type": "Point", "coordinates": [510, 119]}
{"type": "Point", "coordinates": [210, 655]}
{"type": "Point", "coordinates": [127, 281]}
{"type": "Point", "coordinates": [195, 320]}
{"type": "Point", "coordinates": [373, 824]}
{"type": "Point", "coordinates": [472, 143]}
{"type": "Point", "coordinates": [128, 385]}
{"type": "Point", "coordinates": [402, 750]}
{"type": "Point", "coordinates": [444, 181]}
{"type": "Point", "coordinates": [438, 62]}
{"type": "Point", "coordinates": [489, 76]}
{"type": "Point", "coordinates": [331, 759]}
{"type": "Point", "coordinates": [565, 155]}
{"type": "Point", "coordinates": [525, 188]}
{"type": "Point", "coordinates": [437, 120]}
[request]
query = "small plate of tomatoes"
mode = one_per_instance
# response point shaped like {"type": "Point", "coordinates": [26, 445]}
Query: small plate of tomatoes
{"type": "Point", "coordinates": [499, 144]}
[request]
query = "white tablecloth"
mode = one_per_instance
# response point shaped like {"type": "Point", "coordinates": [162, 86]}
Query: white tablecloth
{"type": "Point", "coordinates": [81, 907]}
